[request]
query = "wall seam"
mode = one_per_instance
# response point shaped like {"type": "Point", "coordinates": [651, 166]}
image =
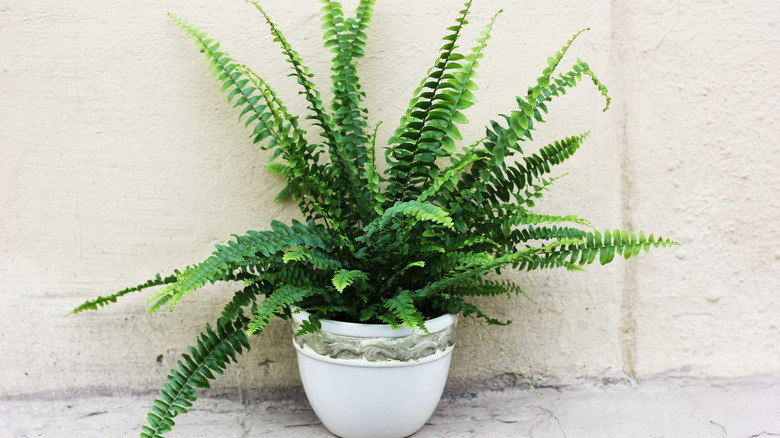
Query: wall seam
{"type": "Point", "coordinates": [624, 98]}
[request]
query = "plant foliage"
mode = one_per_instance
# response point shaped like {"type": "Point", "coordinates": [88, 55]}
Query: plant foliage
{"type": "Point", "coordinates": [397, 246]}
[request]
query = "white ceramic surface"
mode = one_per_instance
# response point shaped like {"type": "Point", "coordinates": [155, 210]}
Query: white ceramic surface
{"type": "Point", "coordinates": [356, 398]}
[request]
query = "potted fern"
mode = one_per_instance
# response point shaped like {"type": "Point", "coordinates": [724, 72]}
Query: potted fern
{"type": "Point", "coordinates": [398, 253]}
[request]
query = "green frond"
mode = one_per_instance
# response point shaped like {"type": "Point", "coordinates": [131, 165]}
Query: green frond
{"type": "Point", "coordinates": [317, 258]}
{"type": "Point", "coordinates": [468, 309]}
{"type": "Point", "coordinates": [227, 72]}
{"type": "Point", "coordinates": [283, 297]}
{"type": "Point", "coordinates": [310, 325]}
{"type": "Point", "coordinates": [265, 111]}
{"type": "Point", "coordinates": [303, 75]}
{"type": "Point", "coordinates": [292, 273]}
{"type": "Point", "coordinates": [357, 26]}
{"type": "Point", "coordinates": [446, 182]}
{"type": "Point", "coordinates": [343, 174]}
{"type": "Point", "coordinates": [474, 289]}
{"type": "Point", "coordinates": [94, 304]}
{"type": "Point", "coordinates": [458, 95]}
{"type": "Point", "coordinates": [213, 353]}
{"type": "Point", "coordinates": [479, 264]}
{"type": "Point", "coordinates": [538, 95]}
{"type": "Point", "coordinates": [241, 299]}
{"type": "Point", "coordinates": [414, 210]}
{"type": "Point", "coordinates": [285, 193]}
{"type": "Point", "coordinates": [483, 287]}
{"type": "Point", "coordinates": [348, 112]}
{"type": "Point", "coordinates": [511, 215]}
{"type": "Point", "coordinates": [344, 278]}
{"type": "Point", "coordinates": [535, 191]}
{"type": "Point", "coordinates": [601, 87]}
{"type": "Point", "coordinates": [520, 174]}
{"type": "Point", "coordinates": [373, 178]}
{"type": "Point", "coordinates": [544, 81]}
{"type": "Point", "coordinates": [595, 245]}
{"type": "Point", "coordinates": [503, 140]}
{"type": "Point", "coordinates": [416, 264]}
{"type": "Point", "coordinates": [620, 242]}
{"type": "Point", "coordinates": [250, 249]}
{"type": "Point", "coordinates": [547, 233]}
{"type": "Point", "coordinates": [416, 143]}
{"type": "Point", "coordinates": [403, 309]}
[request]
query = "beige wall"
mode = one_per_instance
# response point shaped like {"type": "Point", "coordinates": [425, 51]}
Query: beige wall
{"type": "Point", "coordinates": [120, 159]}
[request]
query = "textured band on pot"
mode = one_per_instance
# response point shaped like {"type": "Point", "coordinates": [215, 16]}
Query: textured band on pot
{"type": "Point", "coordinates": [414, 347]}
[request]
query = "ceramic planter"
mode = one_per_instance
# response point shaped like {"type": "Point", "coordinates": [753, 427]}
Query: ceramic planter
{"type": "Point", "coordinates": [368, 380]}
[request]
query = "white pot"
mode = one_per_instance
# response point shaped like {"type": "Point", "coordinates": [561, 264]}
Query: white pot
{"type": "Point", "coordinates": [369, 380]}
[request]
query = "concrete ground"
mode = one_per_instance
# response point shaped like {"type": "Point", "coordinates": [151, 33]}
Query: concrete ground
{"type": "Point", "coordinates": [743, 408]}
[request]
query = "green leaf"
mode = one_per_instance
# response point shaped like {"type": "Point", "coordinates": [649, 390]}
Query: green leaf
{"type": "Point", "coordinates": [343, 278]}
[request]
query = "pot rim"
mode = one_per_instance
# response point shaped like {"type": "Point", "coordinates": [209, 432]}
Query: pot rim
{"type": "Point", "coordinates": [360, 330]}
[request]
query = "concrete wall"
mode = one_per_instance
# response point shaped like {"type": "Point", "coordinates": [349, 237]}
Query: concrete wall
{"type": "Point", "coordinates": [119, 158]}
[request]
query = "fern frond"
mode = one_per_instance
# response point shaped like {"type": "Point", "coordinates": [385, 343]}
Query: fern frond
{"type": "Point", "coordinates": [251, 248]}
{"type": "Point", "coordinates": [535, 191]}
{"type": "Point", "coordinates": [343, 175]}
{"type": "Point", "coordinates": [512, 215]}
{"type": "Point", "coordinates": [348, 112]}
{"type": "Point", "coordinates": [446, 111]}
{"type": "Point", "coordinates": [402, 307]}
{"type": "Point", "coordinates": [372, 176]}
{"type": "Point", "coordinates": [479, 264]}
{"type": "Point", "coordinates": [592, 246]}
{"type": "Point", "coordinates": [270, 117]}
{"type": "Point", "coordinates": [226, 70]}
{"type": "Point", "coordinates": [413, 154]}
{"type": "Point", "coordinates": [283, 297]}
{"type": "Point", "coordinates": [601, 87]}
{"type": "Point", "coordinates": [310, 325]}
{"type": "Point", "coordinates": [356, 28]}
{"type": "Point", "coordinates": [100, 301]}
{"type": "Point", "coordinates": [242, 298]}
{"type": "Point", "coordinates": [214, 352]}
{"type": "Point", "coordinates": [318, 258]}
{"type": "Point", "coordinates": [621, 242]}
{"type": "Point", "coordinates": [544, 81]}
{"type": "Point", "coordinates": [483, 287]}
{"type": "Point", "coordinates": [518, 175]}
{"type": "Point", "coordinates": [405, 210]}
{"type": "Point", "coordinates": [303, 75]}
{"type": "Point", "coordinates": [501, 225]}
{"type": "Point", "coordinates": [448, 179]}
{"type": "Point", "coordinates": [503, 141]}
{"type": "Point", "coordinates": [344, 278]}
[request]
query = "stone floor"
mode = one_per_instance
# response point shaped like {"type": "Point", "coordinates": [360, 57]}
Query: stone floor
{"type": "Point", "coordinates": [743, 408]}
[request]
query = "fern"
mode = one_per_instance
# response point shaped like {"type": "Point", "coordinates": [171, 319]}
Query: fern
{"type": "Point", "coordinates": [250, 248]}
{"type": "Point", "coordinates": [94, 304]}
{"type": "Point", "coordinates": [397, 246]}
{"type": "Point", "coordinates": [606, 245]}
{"type": "Point", "coordinates": [310, 325]}
{"type": "Point", "coordinates": [416, 141]}
{"type": "Point", "coordinates": [343, 278]}
{"type": "Point", "coordinates": [214, 351]}
{"type": "Point", "coordinates": [483, 287]}
{"type": "Point", "coordinates": [284, 297]}
{"type": "Point", "coordinates": [403, 310]}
